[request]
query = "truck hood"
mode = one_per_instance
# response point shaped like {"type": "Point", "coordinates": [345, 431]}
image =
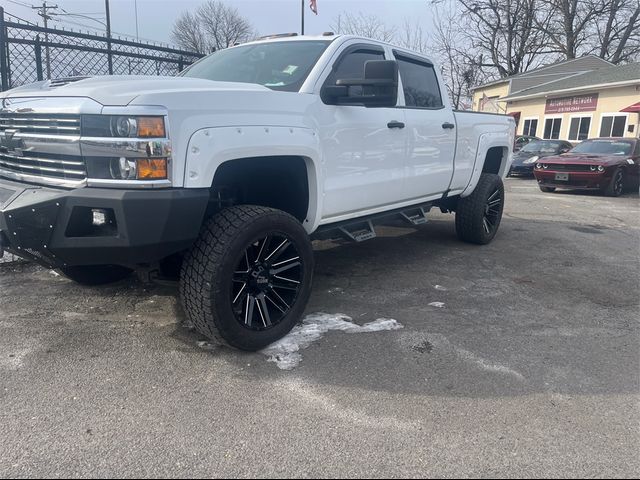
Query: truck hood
{"type": "Point", "coordinates": [123, 89]}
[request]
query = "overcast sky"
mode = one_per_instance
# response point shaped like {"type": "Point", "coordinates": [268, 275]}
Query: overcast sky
{"type": "Point", "coordinates": [156, 17]}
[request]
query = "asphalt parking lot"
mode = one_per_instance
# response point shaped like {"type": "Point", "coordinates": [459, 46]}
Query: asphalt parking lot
{"type": "Point", "coordinates": [517, 359]}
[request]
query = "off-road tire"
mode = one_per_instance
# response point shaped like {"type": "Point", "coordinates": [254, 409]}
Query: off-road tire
{"type": "Point", "coordinates": [472, 211]}
{"type": "Point", "coordinates": [94, 275]}
{"type": "Point", "coordinates": [207, 273]}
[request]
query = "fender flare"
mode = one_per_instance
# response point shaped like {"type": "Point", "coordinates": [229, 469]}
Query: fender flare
{"type": "Point", "coordinates": [209, 148]}
{"type": "Point", "coordinates": [487, 141]}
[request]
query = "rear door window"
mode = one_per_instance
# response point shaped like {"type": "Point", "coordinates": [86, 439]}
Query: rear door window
{"type": "Point", "coordinates": [420, 83]}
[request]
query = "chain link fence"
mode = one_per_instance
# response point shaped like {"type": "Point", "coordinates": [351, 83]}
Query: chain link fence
{"type": "Point", "coordinates": [29, 53]}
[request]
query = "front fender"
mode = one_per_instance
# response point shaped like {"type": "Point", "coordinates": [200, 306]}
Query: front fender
{"type": "Point", "coordinates": [209, 148]}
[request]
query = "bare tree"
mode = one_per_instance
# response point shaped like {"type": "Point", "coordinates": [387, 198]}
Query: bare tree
{"type": "Point", "coordinates": [213, 26]}
{"type": "Point", "coordinates": [187, 33]}
{"type": "Point", "coordinates": [459, 66]}
{"type": "Point", "coordinates": [369, 26]}
{"type": "Point", "coordinates": [618, 32]}
{"type": "Point", "coordinates": [569, 22]}
{"type": "Point", "coordinates": [505, 32]}
{"type": "Point", "coordinates": [412, 36]}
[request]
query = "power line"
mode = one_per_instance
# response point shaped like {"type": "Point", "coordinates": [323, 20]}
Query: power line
{"type": "Point", "coordinates": [19, 3]}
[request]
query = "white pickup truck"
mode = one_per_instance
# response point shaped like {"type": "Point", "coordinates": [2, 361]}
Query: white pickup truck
{"type": "Point", "coordinates": [226, 173]}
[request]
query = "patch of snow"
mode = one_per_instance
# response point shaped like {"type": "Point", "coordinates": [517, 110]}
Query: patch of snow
{"type": "Point", "coordinates": [285, 353]}
{"type": "Point", "coordinates": [54, 273]}
{"type": "Point", "coordinates": [437, 304]}
{"type": "Point", "coordinates": [441, 288]}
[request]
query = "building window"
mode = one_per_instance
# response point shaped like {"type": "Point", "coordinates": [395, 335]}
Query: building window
{"type": "Point", "coordinates": [530, 127]}
{"type": "Point", "coordinates": [579, 128]}
{"type": "Point", "coordinates": [552, 128]}
{"type": "Point", "coordinates": [613, 125]}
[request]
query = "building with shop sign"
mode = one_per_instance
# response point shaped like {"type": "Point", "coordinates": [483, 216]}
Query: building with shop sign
{"type": "Point", "coordinates": [573, 100]}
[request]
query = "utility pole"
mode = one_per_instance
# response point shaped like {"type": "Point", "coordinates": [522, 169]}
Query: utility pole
{"type": "Point", "coordinates": [302, 18]}
{"type": "Point", "coordinates": [42, 11]}
{"type": "Point", "coordinates": [109, 59]}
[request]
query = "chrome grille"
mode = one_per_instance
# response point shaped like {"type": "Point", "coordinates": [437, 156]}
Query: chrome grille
{"type": "Point", "coordinates": [68, 167]}
{"type": "Point", "coordinates": [41, 148]}
{"type": "Point", "coordinates": [60, 124]}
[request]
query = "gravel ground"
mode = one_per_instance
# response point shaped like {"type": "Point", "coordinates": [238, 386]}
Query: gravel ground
{"type": "Point", "coordinates": [518, 359]}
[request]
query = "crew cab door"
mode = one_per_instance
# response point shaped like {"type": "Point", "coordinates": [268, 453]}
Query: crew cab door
{"type": "Point", "coordinates": [363, 148]}
{"type": "Point", "coordinates": [430, 126]}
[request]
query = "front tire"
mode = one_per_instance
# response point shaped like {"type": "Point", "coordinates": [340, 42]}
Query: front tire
{"type": "Point", "coordinates": [548, 189]}
{"type": "Point", "coordinates": [616, 187]}
{"type": "Point", "coordinates": [247, 279]}
{"type": "Point", "coordinates": [478, 216]}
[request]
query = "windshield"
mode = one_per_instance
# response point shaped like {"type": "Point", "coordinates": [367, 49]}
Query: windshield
{"type": "Point", "coordinates": [542, 147]}
{"type": "Point", "coordinates": [604, 147]}
{"type": "Point", "coordinates": [277, 65]}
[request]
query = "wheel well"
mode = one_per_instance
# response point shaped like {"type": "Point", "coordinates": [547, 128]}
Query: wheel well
{"type": "Point", "coordinates": [276, 182]}
{"type": "Point", "coordinates": [493, 160]}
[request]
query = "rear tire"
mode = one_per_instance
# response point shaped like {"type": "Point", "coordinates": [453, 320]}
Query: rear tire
{"type": "Point", "coordinates": [247, 279]}
{"type": "Point", "coordinates": [548, 189]}
{"type": "Point", "coordinates": [478, 216]}
{"type": "Point", "coordinates": [93, 275]}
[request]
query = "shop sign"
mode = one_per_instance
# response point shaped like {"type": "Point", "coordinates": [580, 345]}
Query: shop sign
{"type": "Point", "coordinates": [580, 103]}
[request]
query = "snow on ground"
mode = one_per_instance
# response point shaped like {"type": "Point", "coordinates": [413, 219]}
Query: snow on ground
{"type": "Point", "coordinates": [285, 353]}
{"type": "Point", "coordinates": [8, 258]}
{"type": "Point", "coordinates": [437, 304]}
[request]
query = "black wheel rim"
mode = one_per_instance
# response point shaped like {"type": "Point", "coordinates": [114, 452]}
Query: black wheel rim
{"type": "Point", "coordinates": [266, 282]}
{"type": "Point", "coordinates": [492, 211]}
{"type": "Point", "coordinates": [618, 185]}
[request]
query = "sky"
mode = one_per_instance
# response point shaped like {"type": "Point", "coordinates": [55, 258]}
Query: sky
{"type": "Point", "coordinates": [156, 17]}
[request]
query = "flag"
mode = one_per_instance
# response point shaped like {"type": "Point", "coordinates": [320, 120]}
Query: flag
{"type": "Point", "coordinates": [313, 5]}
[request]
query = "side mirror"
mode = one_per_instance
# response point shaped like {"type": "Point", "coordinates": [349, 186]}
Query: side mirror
{"type": "Point", "coordinates": [379, 87]}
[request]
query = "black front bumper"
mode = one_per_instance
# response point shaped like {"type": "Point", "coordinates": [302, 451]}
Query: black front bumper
{"type": "Point", "coordinates": [48, 225]}
{"type": "Point", "coordinates": [522, 169]}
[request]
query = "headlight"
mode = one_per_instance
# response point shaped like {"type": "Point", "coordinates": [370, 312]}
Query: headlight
{"type": "Point", "coordinates": [600, 168]}
{"type": "Point", "coordinates": [545, 166]}
{"type": "Point", "coordinates": [538, 165]}
{"type": "Point", "coordinates": [531, 160]}
{"type": "Point", "coordinates": [121, 126]}
{"type": "Point", "coordinates": [593, 168]}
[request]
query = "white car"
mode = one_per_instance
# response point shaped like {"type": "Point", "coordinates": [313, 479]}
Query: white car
{"type": "Point", "coordinates": [227, 172]}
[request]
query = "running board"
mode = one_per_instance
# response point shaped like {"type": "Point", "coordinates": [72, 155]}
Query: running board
{"type": "Point", "coordinates": [361, 229]}
{"type": "Point", "coordinates": [415, 216]}
{"type": "Point", "coordinates": [358, 232]}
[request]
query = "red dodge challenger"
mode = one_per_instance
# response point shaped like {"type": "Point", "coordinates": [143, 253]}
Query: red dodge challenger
{"type": "Point", "coordinates": [610, 165]}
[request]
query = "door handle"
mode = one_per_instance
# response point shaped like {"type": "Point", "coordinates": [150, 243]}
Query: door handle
{"type": "Point", "coordinates": [394, 124]}
{"type": "Point", "coordinates": [446, 125]}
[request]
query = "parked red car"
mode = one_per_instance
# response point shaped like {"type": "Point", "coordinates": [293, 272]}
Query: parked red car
{"type": "Point", "coordinates": [610, 165]}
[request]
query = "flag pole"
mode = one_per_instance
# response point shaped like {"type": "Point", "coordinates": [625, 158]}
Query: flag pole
{"type": "Point", "coordinates": [302, 17]}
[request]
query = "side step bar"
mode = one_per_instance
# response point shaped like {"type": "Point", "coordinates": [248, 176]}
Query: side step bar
{"type": "Point", "coordinates": [361, 229]}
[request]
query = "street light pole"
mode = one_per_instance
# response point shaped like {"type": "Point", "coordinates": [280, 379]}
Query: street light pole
{"type": "Point", "coordinates": [302, 17]}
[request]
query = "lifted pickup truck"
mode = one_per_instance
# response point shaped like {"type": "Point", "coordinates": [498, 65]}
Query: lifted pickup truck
{"type": "Point", "coordinates": [227, 172]}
